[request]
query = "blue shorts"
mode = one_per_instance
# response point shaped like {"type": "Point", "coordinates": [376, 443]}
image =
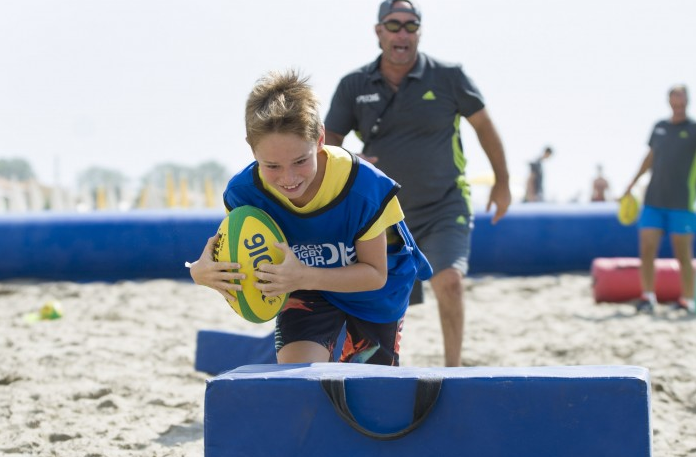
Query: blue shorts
{"type": "Point", "coordinates": [307, 316]}
{"type": "Point", "coordinates": [677, 221]}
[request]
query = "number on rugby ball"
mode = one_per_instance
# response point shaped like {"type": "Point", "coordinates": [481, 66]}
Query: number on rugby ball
{"type": "Point", "coordinates": [247, 236]}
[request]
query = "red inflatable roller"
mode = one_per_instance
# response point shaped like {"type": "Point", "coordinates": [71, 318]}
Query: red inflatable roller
{"type": "Point", "coordinates": [617, 279]}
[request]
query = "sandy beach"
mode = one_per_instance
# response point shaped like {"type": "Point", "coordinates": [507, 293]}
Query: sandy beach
{"type": "Point", "coordinates": [114, 376]}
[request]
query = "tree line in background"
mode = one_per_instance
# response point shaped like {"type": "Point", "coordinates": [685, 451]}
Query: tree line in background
{"type": "Point", "coordinates": [93, 177]}
{"type": "Point", "coordinates": [18, 169]}
{"type": "Point", "coordinates": [165, 185]}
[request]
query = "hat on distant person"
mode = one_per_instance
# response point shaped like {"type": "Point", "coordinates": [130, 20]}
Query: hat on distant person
{"type": "Point", "coordinates": [387, 7]}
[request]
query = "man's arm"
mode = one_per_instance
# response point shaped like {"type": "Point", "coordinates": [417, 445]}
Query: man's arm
{"type": "Point", "coordinates": [644, 166]}
{"type": "Point", "coordinates": [493, 147]}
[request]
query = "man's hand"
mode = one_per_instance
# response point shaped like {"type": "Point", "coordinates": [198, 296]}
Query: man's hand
{"type": "Point", "coordinates": [500, 196]}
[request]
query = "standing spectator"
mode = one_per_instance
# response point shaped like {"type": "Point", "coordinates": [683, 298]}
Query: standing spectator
{"type": "Point", "coordinates": [406, 107]}
{"type": "Point", "coordinates": [669, 200]}
{"type": "Point", "coordinates": [535, 181]}
{"type": "Point", "coordinates": [599, 186]}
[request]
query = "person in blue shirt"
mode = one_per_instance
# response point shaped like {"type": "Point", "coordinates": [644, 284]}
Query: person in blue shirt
{"type": "Point", "coordinates": [349, 258]}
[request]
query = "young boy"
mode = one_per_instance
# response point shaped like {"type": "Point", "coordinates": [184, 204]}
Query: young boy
{"type": "Point", "coordinates": [349, 256]}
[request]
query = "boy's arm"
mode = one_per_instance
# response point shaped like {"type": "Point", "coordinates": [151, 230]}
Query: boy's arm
{"type": "Point", "coordinates": [369, 273]}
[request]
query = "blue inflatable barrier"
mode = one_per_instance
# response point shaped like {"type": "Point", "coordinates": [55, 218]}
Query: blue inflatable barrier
{"type": "Point", "coordinates": [103, 246]}
{"type": "Point", "coordinates": [538, 238]}
{"type": "Point", "coordinates": [356, 410]}
{"type": "Point", "coordinates": [531, 239]}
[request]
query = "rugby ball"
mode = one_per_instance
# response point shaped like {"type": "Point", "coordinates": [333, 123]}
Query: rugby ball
{"type": "Point", "coordinates": [628, 209]}
{"type": "Point", "coordinates": [247, 236]}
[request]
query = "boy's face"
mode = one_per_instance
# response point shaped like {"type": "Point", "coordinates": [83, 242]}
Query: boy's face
{"type": "Point", "coordinates": [288, 163]}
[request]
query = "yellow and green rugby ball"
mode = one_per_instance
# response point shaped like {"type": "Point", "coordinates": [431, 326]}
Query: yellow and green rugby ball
{"type": "Point", "coordinates": [247, 236]}
{"type": "Point", "coordinates": [629, 209]}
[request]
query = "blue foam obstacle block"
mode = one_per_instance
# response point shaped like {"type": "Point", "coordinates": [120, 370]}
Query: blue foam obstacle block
{"type": "Point", "coordinates": [353, 409]}
{"type": "Point", "coordinates": [218, 351]}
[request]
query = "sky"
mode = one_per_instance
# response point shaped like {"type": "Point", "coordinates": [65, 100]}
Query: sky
{"type": "Point", "coordinates": [130, 84]}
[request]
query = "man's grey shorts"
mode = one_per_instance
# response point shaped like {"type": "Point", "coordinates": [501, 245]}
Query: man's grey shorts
{"type": "Point", "coordinates": [446, 242]}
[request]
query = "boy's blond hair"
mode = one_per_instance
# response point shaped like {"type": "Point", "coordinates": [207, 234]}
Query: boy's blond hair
{"type": "Point", "coordinates": [282, 102]}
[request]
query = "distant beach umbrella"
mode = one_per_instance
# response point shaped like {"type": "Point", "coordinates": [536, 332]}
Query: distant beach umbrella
{"type": "Point", "coordinates": [209, 193]}
{"type": "Point", "coordinates": [171, 192]}
{"type": "Point", "coordinates": [184, 200]}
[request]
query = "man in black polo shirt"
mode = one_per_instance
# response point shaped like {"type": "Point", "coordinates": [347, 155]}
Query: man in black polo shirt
{"type": "Point", "coordinates": [669, 200]}
{"type": "Point", "coordinates": [406, 108]}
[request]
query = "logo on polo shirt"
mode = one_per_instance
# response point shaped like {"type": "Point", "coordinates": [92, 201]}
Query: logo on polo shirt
{"type": "Point", "coordinates": [684, 134]}
{"type": "Point", "coordinates": [367, 98]}
{"type": "Point", "coordinates": [429, 95]}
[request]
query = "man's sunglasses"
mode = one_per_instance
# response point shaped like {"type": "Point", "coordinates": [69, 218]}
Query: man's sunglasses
{"type": "Point", "coordinates": [395, 26]}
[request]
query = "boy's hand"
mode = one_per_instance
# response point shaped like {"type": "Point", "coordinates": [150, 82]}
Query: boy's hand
{"type": "Point", "coordinates": [284, 278]}
{"type": "Point", "coordinates": [217, 275]}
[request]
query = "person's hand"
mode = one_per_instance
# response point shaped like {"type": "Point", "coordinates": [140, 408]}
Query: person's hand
{"type": "Point", "coordinates": [628, 192]}
{"type": "Point", "coordinates": [500, 196]}
{"type": "Point", "coordinates": [286, 277]}
{"type": "Point", "coordinates": [217, 275]}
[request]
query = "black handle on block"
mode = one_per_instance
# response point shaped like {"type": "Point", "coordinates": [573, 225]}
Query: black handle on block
{"type": "Point", "coordinates": [427, 393]}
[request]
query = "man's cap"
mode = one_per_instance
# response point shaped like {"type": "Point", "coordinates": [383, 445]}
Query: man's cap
{"type": "Point", "coordinates": [387, 7]}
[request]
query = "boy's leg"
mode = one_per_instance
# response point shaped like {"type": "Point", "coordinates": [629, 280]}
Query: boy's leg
{"type": "Point", "coordinates": [307, 329]}
{"type": "Point", "coordinates": [369, 342]}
